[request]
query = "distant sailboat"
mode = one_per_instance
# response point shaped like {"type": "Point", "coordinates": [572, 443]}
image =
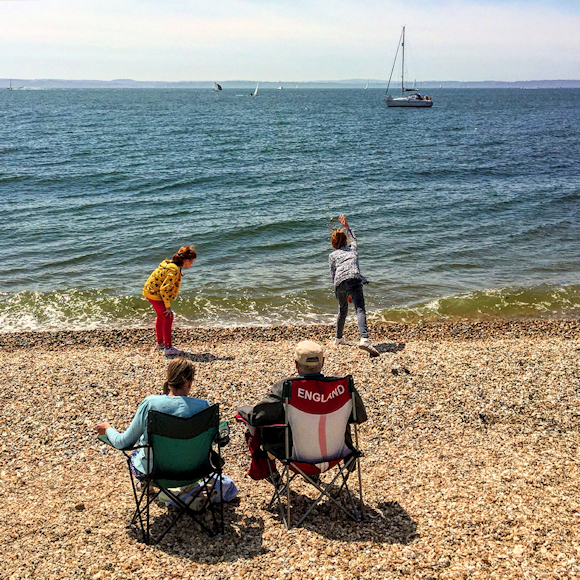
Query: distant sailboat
{"type": "Point", "coordinates": [217, 87]}
{"type": "Point", "coordinates": [255, 93]}
{"type": "Point", "coordinates": [11, 88]}
{"type": "Point", "coordinates": [414, 99]}
{"type": "Point", "coordinates": [367, 86]}
{"type": "Point", "coordinates": [280, 88]}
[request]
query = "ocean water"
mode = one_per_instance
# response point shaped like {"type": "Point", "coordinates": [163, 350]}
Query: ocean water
{"type": "Point", "coordinates": [467, 210]}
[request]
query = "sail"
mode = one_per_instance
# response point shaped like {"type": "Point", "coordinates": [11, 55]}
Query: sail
{"type": "Point", "coordinates": [217, 87]}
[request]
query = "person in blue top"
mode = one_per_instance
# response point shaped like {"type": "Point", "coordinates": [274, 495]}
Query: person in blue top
{"type": "Point", "coordinates": [348, 284]}
{"type": "Point", "coordinates": [174, 401]}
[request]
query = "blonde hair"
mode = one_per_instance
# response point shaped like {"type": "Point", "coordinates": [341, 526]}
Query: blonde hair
{"type": "Point", "coordinates": [179, 372]}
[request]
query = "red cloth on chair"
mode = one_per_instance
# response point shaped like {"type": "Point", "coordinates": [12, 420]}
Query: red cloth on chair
{"type": "Point", "coordinates": [259, 465]}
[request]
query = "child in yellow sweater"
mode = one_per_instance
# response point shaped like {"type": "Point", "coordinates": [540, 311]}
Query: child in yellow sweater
{"type": "Point", "coordinates": [161, 288]}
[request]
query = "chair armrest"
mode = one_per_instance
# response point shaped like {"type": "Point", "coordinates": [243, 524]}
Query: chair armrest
{"type": "Point", "coordinates": [105, 439]}
{"type": "Point", "coordinates": [223, 434]}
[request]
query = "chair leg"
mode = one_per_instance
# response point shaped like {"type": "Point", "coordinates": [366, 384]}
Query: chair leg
{"type": "Point", "coordinates": [325, 491]}
{"type": "Point", "coordinates": [138, 513]}
{"type": "Point", "coordinates": [288, 515]}
{"type": "Point", "coordinates": [360, 489]}
{"type": "Point", "coordinates": [221, 502]}
{"type": "Point", "coordinates": [286, 479]}
{"type": "Point", "coordinates": [148, 539]}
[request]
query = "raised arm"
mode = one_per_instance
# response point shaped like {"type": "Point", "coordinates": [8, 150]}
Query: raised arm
{"type": "Point", "coordinates": [351, 238]}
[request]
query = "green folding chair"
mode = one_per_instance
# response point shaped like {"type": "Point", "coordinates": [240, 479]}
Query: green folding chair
{"type": "Point", "coordinates": [182, 452]}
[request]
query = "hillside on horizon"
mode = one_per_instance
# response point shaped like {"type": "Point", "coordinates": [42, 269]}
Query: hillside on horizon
{"type": "Point", "coordinates": [20, 84]}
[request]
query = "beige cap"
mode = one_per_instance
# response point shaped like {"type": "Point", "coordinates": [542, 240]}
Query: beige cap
{"type": "Point", "coordinates": [308, 354]}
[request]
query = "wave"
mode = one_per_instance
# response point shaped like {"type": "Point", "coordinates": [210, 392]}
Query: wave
{"type": "Point", "coordinates": [504, 303]}
{"type": "Point", "coordinates": [81, 309]}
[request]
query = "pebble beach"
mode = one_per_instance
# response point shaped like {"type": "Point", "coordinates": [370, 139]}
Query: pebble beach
{"type": "Point", "coordinates": [470, 467]}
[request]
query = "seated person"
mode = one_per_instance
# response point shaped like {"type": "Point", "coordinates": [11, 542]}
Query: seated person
{"type": "Point", "coordinates": [174, 401]}
{"type": "Point", "coordinates": [309, 360]}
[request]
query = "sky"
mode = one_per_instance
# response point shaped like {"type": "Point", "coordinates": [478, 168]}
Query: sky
{"type": "Point", "coordinates": [289, 40]}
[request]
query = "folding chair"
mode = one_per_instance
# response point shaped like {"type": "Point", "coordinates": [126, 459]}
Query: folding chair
{"type": "Point", "coordinates": [180, 453]}
{"type": "Point", "coordinates": [316, 427]}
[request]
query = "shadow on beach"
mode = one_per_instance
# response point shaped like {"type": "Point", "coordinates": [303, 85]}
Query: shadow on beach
{"type": "Point", "coordinates": [388, 523]}
{"type": "Point", "coordinates": [203, 357]}
{"type": "Point", "coordinates": [242, 538]}
{"type": "Point", "coordinates": [393, 347]}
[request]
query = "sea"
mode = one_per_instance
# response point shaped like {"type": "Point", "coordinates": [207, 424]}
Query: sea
{"type": "Point", "coordinates": [465, 211]}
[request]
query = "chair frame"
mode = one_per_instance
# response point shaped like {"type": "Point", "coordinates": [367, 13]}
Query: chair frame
{"type": "Point", "coordinates": [207, 481]}
{"type": "Point", "coordinates": [345, 466]}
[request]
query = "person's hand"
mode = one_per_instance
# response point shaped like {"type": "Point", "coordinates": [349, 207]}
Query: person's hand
{"type": "Point", "coordinates": [343, 221]}
{"type": "Point", "coordinates": [168, 311]}
{"type": "Point", "coordinates": [101, 428]}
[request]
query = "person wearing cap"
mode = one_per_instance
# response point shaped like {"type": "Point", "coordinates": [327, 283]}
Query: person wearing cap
{"type": "Point", "coordinates": [309, 360]}
{"type": "Point", "coordinates": [348, 284]}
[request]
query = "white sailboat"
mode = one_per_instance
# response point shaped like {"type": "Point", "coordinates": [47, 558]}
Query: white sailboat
{"type": "Point", "coordinates": [414, 99]}
{"type": "Point", "coordinates": [367, 86]}
{"type": "Point", "coordinates": [217, 87]}
{"type": "Point", "coordinates": [255, 93]}
{"type": "Point", "coordinates": [11, 88]}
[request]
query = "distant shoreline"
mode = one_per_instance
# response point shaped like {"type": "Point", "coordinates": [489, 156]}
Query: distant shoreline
{"type": "Point", "coordinates": [24, 84]}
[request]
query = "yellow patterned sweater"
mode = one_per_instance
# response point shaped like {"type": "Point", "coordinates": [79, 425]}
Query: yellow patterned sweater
{"type": "Point", "coordinates": [164, 283]}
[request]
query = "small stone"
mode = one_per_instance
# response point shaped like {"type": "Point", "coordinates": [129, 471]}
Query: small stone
{"type": "Point", "coordinates": [80, 507]}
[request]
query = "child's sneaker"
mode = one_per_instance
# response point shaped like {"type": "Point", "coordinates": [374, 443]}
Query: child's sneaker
{"type": "Point", "coordinates": [160, 347]}
{"type": "Point", "coordinates": [172, 351]}
{"type": "Point", "coordinates": [365, 344]}
{"type": "Point", "coordinates": [340, 342]}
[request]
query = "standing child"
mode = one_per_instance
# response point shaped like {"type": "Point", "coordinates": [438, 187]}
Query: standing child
{"type": "Point", "coordinates": [348, 282]}
{"type": "Point", "coordinates": [161, 288]}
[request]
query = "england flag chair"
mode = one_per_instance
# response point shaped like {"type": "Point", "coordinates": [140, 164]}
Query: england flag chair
{"type": "Point", "coordinates": [318, 413]}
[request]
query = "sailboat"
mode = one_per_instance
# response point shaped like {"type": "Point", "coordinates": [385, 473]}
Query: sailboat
{"type": "Point", "coordinates": [255, 93]}
{"type": "Point", "coordinates": [414, 99]}
{"type": "Point", "coordinates": [11, 88]}
{"type": "Point", "coordinates": [217, 87]}
{"type": "Point", "coordinates": [367, 86]}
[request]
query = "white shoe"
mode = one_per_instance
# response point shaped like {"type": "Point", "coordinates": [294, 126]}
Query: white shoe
{"type": "Point", "coordinates": [340, 341]}
{"type": "Point", "coordinates": [365, 344]}
{"type": "Point", "coordinates": [172, 351]}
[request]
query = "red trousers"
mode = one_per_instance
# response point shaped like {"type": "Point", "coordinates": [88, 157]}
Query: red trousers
{"type": "Point", "coordinates": [162, 323]}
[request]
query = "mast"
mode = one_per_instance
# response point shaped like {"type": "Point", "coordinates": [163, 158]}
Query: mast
{"type": "Point", "coordinates": [403, 65]}
{"type": "Point", "coordinates": [394, 62]}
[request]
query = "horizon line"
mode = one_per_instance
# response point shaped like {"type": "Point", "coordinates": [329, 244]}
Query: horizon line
{"type": "Point", "coordinates": [352, 80]}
